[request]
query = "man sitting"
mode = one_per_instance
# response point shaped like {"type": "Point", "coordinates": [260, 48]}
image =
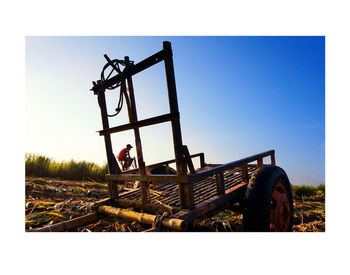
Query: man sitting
{"type": "Point", "coordinates": [124, 157]}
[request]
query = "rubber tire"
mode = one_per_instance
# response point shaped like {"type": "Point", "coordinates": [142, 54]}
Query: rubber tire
{"type": "Point", "coordinates": [258, 195]}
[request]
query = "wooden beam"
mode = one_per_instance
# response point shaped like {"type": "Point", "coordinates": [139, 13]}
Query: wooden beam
{"type": "Point", "coordinates": [186, 191]}
{"type": "Point", "coordinates": [215, 202]}
{"type": "Point", "coordinates": [112, 164]}
{"type": "Point", "coordinates": [145, 192]}
{"type": "Point", "coordinates": [134, 69]}
{"type": "Point", "coordinates": [68, 225]}
{"type": "Point", "coordinates": [149, 178]}
{"type": "Point", "coordinates": [222, 168]}
{"type": "Point", "coordinates": [188, 159]}
{"type": "Point", "coordinates": [161, 163]}
{"type": "Point", "coordinates": [139, 124]}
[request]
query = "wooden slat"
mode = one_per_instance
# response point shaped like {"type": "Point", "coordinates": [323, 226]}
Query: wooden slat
{"type": "Point", "coordinates": [149, 178]}
{"type": "Point", "coordinates": [228, 166]}
{"type": "Point", "coordinates": [203, 189]}
{"type": "Point", "coordinates": [162, 163]}
{"type": "Point", "coordinates": [138, 124]}
{"type": "Point", "coordinates": [216, 201]}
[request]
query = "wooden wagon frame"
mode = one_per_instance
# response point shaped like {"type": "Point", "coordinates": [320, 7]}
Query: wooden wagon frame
{"type": "Point", "coordinates": [180, 200]}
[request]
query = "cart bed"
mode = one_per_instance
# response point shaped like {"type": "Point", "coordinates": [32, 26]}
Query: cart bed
{"type": "Point", "coordinates": [167, 193]}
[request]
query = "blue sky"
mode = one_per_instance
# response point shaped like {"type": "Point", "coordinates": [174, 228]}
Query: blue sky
{"type": "Point", "coordinates": [238, 96]}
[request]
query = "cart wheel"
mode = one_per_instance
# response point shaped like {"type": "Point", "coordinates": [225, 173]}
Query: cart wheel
{"type": "Point", "coordinates": [269, 201]}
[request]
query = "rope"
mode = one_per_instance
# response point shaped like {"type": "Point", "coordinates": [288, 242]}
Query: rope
{"type": "Point", "coordinates": [157, 224]}
{"type": "Point", "coordinates": [115, 67]}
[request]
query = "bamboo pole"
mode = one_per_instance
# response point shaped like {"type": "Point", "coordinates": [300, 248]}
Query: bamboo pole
{"type": "Point", "coordinates": [125, 203]}
{"type": "Point", "coordinates": [174, 224]}
{"type": "Point", "coordinates": [67, 225]}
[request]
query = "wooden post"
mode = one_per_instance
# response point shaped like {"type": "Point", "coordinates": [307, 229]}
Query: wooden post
{"type": "Point", "coordinates": [113, 166]}
{"type": "Point", "coordinates": [145, 192]}
{"type": "Point", "coordinates": [260, 162]}
{"type": "Point", "coordinates": [188, 159]}
{"type": "Point", "coordinates": [202, 161]}
{"type": "Point", "coordinates": [220, 183]}
{"type": "Point", "coordinates": [273, 161]}
{"type": "Point", "coordinates": [245, 177]}
{"type": "Point", "coordinates": [186, 191]}
{"type": "Point", "coordinates": [112, 189]}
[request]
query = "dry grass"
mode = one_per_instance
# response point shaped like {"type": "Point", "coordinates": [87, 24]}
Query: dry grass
{"type": "Point", "coordinates": [49, 201]}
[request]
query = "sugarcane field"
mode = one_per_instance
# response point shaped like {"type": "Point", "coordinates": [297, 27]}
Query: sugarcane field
{"type": "Point", "coordinates": [51, 201]}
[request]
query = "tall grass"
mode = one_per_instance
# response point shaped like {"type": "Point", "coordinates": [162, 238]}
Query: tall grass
{"type": "Point", "coordinates": [41, 166]}
{"type": "Point", "coordinates": [308, 190]}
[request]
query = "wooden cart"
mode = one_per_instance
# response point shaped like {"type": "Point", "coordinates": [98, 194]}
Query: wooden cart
{"type": "Point", "coordinates": [179, 201]}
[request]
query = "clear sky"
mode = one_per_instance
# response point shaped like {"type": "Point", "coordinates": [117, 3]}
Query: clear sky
{"type": "Point", "coordinates": [238, 96]}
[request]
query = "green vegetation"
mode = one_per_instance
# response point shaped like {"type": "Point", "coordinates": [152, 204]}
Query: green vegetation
{"type": "Point", "coordinates": [308, 190]}
{"type": "Point", "coordinates": [41, 166]}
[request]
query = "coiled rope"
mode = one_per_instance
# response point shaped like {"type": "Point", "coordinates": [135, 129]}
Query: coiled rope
{"type": "Point", "coordinates": [115, 64]}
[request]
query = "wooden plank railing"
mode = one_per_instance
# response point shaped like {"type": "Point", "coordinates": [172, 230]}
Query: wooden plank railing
{"type": "Point", "coordinates": [222, 168]}
{"type": "Point", "coordinates": [217, 171]}
{"type": "Point", "coordinates": [200, 155]}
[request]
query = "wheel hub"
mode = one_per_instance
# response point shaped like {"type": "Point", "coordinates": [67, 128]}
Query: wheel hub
{"type": "Point", "coordinates": [280, 208]}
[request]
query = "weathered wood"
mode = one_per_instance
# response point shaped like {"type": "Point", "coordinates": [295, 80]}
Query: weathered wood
{"type": "Point", "coordinates": [134, 69]}
{"type": "Point", "coordinates": [188, 159]}
{"type": "Point", "coordinates": [245, 177]}
{"type": "Point", "coordinates": [220, 183]}
{"type": "Point", "coordinates": [211, 172]}
{"type": "Point", "coordinates": [174, 224]}
{"type": "Point", "coordinates": [134, 119]}
{"type": "Point", "coordinates": [112, 164]}
{"type": "Point", "coordinates": [202, 160]}
{"type": "Point", "coordinates": [160, 164]}
{"type": "Point", "coordinates": [216, 201]}
{"type": "Point", "coordinates": [149, 178]}
{"type": "Point", "coordinates": [139, 124]}
{"type": "Point", "coordinates": [186, 191]}
{"type": "Point", "coordinates": [260, 161]}
{"type": "Point", "coordinates": [112, 187]}
{"type": "Point", "coordinates": [152, 207]}
{"type": "Point", "coordinates": [273, 161]}
{"type": "Point", "coordinates": [68, 225]}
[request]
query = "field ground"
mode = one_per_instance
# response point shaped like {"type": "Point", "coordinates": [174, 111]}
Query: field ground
{"type": "Point", "coordinates": [50, 201]}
